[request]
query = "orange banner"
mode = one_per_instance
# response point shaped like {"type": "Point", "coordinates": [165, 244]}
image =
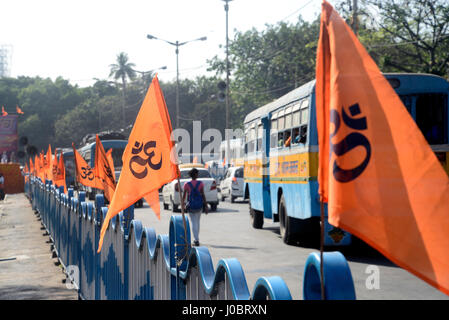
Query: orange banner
{"type": "Point", "coordinates": [104, 175]}
{"type": "Point", "coordinates": [84, 173]}
{"type": "Point", "coordinates": [147, 159]}
{"type": "Point", "coordinates": [382, 181]}
{"type": "Point", "coordinates": [59, 172]}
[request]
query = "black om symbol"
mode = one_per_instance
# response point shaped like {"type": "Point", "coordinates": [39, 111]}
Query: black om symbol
{"type": "Point", "coordinates": [350, 142]}
{"type": "Point", "coordinates": [87, 173]}
{"type": "Point", "coordinates": [138, 147]}
{"type": "Point", "coordinates": [108, 172]}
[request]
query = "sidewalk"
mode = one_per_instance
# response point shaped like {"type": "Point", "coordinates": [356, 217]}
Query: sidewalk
{"type": "Point", "coordinates": [27, 269]}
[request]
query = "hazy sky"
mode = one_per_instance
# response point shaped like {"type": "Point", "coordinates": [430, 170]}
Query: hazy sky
{"type": "Point", "coordinates": [78, 40]}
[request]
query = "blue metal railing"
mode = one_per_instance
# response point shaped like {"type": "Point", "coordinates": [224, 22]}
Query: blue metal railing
{"type": "Point", "coordinates": [137, 264]}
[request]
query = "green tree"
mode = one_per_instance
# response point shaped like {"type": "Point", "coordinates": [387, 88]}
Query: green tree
{"type": "Point", "coordinates": [267, 64]}
{"type": "Point", "coordinates": [405, 35]}
{"type": "Point", "coordinates": [123, 70]}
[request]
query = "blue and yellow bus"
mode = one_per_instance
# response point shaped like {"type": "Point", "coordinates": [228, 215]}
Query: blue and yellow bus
{"type": "Point", "coordinates": [281, 154]}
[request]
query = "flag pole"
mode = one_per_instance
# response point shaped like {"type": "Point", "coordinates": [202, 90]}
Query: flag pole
{"type": "Point", "coordinates": [179, 259]}
{"type": "Point", "coordinates": [323, 296]}
{"type": "Point", "coordinates": [183, 218]}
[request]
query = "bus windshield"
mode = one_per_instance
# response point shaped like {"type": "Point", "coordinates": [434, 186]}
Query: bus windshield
{"type": "Point", "coordinates": [430, 113]}
{"type": "Point", "coordinates": [117, 157]}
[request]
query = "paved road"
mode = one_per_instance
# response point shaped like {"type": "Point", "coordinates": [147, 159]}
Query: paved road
{"type": "Point", "coordinates": [27, 270]}
{"type": "Point", "coordinates": [227, 234]}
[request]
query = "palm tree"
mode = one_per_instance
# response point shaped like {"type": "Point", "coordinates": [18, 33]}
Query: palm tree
{"type": "Point", "coordinates": [122, 70]}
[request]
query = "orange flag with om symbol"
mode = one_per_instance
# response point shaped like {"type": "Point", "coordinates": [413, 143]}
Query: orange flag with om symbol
{"type": "Point", "coordinates": [104, 174]}
{"type": "Point", "coordinates": [59, 171]}
{"type": "Point", "coordinates": [84, 173]}
{"type": "Point", "coordinates": [382, 181]}
{"type": "Point", "coordinates": [149, 159]}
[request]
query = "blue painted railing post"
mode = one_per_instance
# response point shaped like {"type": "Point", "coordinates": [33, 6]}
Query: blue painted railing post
{"type": "Point", "coordinates": [69, 229]}
{"type": "Point", "coordinates": [179, 252]}
{"type": "Point", "coordinates": [99, 202]}
{"type": "Point", "coordinates": [338, 282]}
{"type": "Point", "coordinates": [81, 199]}
{"type": "Point", "coordinates": [128, 216]}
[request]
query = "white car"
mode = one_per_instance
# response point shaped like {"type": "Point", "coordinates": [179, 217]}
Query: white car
{"type": "Point", "coordinates": [170, 194]}
{"type": "Point", "coordinates": [232, 184]}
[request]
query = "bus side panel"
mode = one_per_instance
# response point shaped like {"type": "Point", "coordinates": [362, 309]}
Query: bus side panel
{"type": "Point", "coordinates": [256, 195]}
{"type": "Point", "coordinates": [297, 199]}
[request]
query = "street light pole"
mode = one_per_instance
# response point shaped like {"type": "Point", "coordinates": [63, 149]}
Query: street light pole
{"type": "Point", "coordinates": [228, 147]}
{"type": "Point", "coordinates": [177, 44]}
{"type": "Point", "coordinates": [150, 72]}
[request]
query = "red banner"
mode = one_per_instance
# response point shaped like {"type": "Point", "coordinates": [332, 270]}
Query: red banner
{"type": "Point", "coordinates": [8, 135]}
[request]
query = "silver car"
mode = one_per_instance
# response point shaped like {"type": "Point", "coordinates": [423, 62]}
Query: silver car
{"type": "Point", "coordinates": [232, 184]}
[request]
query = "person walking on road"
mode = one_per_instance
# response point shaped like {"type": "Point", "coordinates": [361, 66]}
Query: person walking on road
{"type": "Point", "coordinates": [196, 203]}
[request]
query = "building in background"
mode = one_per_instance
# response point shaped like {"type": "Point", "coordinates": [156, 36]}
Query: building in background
{"type": "Point", "coordinates": [5, 60]}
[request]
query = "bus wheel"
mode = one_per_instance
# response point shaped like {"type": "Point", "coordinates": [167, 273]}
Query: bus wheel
{"type": "Point", "coordinates": [286, 224]}
{"type": "Point", "coordinates": [256, 218]}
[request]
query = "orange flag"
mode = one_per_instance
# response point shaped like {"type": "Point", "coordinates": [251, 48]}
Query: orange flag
{"type": "Point", "coordinates": [31, 167]}
{"type": "Point", "coordinates": [103, 172]}
{"type": "Point", "coordinates": [59, 172]}
{"type": "Point", "coordinates": [36, 166]}
{"type": "Point", "coordinates": [48, 162]}
{"type": "Point", "coordinates": [4, 113]}
{"type": "Point", "coordinates": [52, 172]}
{"type": "Point", "coordinates": [111, 162]}
{"type": "Point", "coordinates": [381, 179]}
{"type": "Point", "coordinates": [148, 160]}
{"type": "Point", "coordinates": [84, 173]}
{"type": "Point", "coordinates": [42, 166]}
{"type": "Point", "coordinates": [18, 110]}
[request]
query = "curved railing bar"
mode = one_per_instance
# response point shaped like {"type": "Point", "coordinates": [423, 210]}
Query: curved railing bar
{"type": "Point", "coordinates": [339, 287]}
{"type": "Point", "coordinates": [48, 197]}
{"type": "Point", "coordinates": [272, 288]}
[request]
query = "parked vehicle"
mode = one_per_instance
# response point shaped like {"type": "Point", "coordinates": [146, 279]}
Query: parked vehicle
{"type": "Point", "coordinates": [170, 192]}
{"type": "Point", "coordinates": [232, 184]}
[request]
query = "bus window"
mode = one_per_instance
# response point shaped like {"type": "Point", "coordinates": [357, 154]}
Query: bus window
{"type": "Point", "coordinates": [431, 117]}
{"type": "Point", "coordinates": [287, 138]}
{"type": "Point", "coordinates": [296, 118]}
{"type": "Point", "coordinates": [259, 136]}
{"type": "Point", "coordinates": [281, 121]}
{"type": "Point", "coordinates": [280, 139]}
{"type": "Point", "coordinates": [273, 133]}
{"type": "Point", "coordinates": [117, 157]}
{"type": "Point", "coordinates": [251, 140]}
{"type": "Point", "coordinates": [296, 136]}
{"type": "Point", "coordinates": [303, 134]}
{"type": "Point", "coordinates": [288, 117]}
{"type": "Point", "coordinates": [304, 111]}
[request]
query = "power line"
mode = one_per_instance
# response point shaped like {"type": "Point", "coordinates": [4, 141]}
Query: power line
{"type": "Point", "coordinates": [296, 11]}
{"type": "Point", "coordinates": [404, 42]}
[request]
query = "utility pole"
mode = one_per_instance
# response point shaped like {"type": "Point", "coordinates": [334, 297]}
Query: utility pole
{"type": "Point", "coordinates": [228, 147]}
